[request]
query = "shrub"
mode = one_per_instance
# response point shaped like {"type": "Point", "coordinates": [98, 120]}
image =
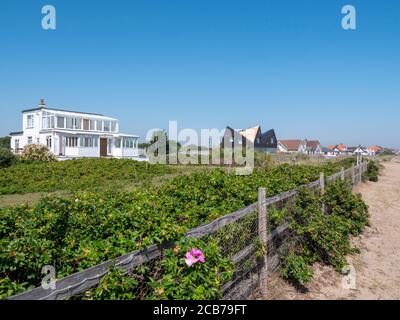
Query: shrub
{"type": "Point", "coordinates": [5, 142]}
{"type": "Point", "coordinates": [7, 158]}
{"type": "Point", "coordinates": [116, 285]}
{"type": "Point", "coordinates": [37, 153]}
{"type": "Point", "coordinates": [324, 237]}
{"type": "Point", "coordinates": [296, 269]}
{"type": "Point", "coordinates": [372, 172]}
{"type": "Point", "coordinates": [200, 281]}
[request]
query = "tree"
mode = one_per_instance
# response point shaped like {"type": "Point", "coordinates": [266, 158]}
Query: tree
{"type": "Point", "coordinates": [7, 158]}
{"type": "Point", "coordinates": [5, 142]}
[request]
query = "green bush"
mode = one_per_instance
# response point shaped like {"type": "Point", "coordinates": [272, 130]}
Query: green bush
{"type": "Point", "coordinates": [296, 269]}
{"type": "Point", "coordinates": [372, 173]}
{"type": "Point", "coordinates": [7, 158]}
{"type": "Point", "coordinates": [37, 153]}
{"type": "Point", "coordinates": [5, 142]}
{"type": "Point", "coordinates": [201, 281]}
{"type": "Point", "coordinates": [325, 236]}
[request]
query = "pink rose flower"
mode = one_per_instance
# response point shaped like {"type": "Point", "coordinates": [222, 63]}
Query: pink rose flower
{"type": "Point", "coordinates": [193, 256]}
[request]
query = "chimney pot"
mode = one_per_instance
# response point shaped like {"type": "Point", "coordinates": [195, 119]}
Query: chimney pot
{"type": "Point", "coordinates": [41, 103]}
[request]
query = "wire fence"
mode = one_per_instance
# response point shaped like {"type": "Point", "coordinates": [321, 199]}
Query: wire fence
{"type": "Point", "coordinates": [248, 237]}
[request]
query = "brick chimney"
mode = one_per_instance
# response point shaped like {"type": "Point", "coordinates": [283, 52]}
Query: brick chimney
{"type": "Point", "coordinates": [41, 103]}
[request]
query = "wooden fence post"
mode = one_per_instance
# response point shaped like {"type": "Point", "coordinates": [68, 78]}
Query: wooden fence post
{"type": "Point", "coordinates": [342, 173]}
{"type": "Point", "coordinates": [322, 186]}
{"type": "Point", "coordinates": [262, 233]}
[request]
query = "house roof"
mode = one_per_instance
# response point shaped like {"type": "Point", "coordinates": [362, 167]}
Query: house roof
{"type": "Point", "coordinates": [18, 133]}
{"type": "Point", "coordinates": [63, 110]}
{"type": "Point", "coordinates": [331, 146]}
{"type": "Point", "coordinates": [291, 145]}
{"type": "Point", "coordinates": [341, 147]}
{"type": "Point", "coordinates": [312, 144]}
{"type": "Point", "coordinates": [251, 133]}
{"type": "Point", "coordinates": [375, 148]}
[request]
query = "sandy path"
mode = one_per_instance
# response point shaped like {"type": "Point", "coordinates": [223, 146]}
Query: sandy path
{"type": "Point", "coordinates": [377, 267]}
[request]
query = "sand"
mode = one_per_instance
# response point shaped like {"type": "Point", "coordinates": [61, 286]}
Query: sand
{"type": "Point", "coordinates": [376, 269]}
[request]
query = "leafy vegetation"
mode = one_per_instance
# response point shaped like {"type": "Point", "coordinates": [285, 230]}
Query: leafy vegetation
{"type": "Point", "coordinates": [80, 231]}
{"type": "Point", "coordinates": [37, 153]}
{"type": "Point", "coordinates": [324, 236]}
{"type": "Point", "coordinates": [5, 142]}
{"type": "Point", "coordinates": [7, 158]}
{"type": "Point", "coordinates": [372, 173]}
{"type": "Point", "coordinates": [73, 175]}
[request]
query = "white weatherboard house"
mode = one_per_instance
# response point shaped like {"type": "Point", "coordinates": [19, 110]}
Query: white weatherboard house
{"type": "Point", "coordinates": [73, 134]}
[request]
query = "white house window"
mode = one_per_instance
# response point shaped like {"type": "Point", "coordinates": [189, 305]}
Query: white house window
{"type": "Point", "coordinates": [91, 125]}
{"type": "Point", "coordinates": [88, 142]}
{"type": "Point", "coordinates": [16, 144]}
{"type": "Point", "coordinates": [69, 123]}
{"type": "Point", "coordinates": [61, 122]}
{"type": "Point", "coordinates": [72, 141]}
{"type": "Point", "coordinates": [118, 142]}
{"type": "Point", "coordinates": [113, 126]}
{"type": "Point", "coordinates": [106, 126]}
{"type": "Point", "coordinates": [129, 143]}
{"type": "Point", "coordinates": [77, 123]}
{"type": "Point", "coordinates": [47, 120]}
{"type": "Point", "coordinates": [30, 140]}
{"type": "Point", "coordinates": [29, 121]}
{"type": "Point", "coordinates": [99, 125]}
{"type": "Point", "coordinates": [48, 142]}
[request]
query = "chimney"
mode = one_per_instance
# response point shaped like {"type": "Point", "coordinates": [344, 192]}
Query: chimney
{"type": "Point", "coordinates": [41, 103]}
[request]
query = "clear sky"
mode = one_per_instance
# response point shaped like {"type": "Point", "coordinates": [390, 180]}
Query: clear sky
{"type": "Point", "coordinates": [286, 65]}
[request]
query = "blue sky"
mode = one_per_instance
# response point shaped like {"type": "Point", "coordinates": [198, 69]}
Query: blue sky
{"type": "Point", "coordinates": [286, 65]}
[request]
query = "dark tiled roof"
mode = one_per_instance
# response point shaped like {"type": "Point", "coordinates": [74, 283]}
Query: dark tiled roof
{"type": "Point", "coordinates": [18, 133]}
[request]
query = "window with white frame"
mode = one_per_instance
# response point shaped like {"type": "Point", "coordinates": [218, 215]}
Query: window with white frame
{"type": "Point", "coordinates": [48, 142]}
{"type": "Point", "coordinates": [61, 122]}
{"type": "Point", "coordinates": [107, 126]}
{"type": "Point", "coordinates": [16, 144]}
{"type": "Point", "coordinates": [69, 123]}
{"type": "Point", "coordinates": [129, 143]}
{"type": "Point", "coordinates": [92, 125]}
{"type": "Point", "coordinates": [47, 120]}
{"type": "Point", "coordinates": [113, 126]}
{"type": "Point", "coordinates": [77, 123]}
{"type": "Point", "coordinates": [117, 142]}
{"type": "Point", "coordinates": [29, 121]}
{"type": "Point", "coordinates": [71, 141]}
{"type": "Point", "coordinates": [99, 125]}
{"type": "Point", "coordinates": [30, 140]}
{"type": "Point", "coordinates": [88, 142]}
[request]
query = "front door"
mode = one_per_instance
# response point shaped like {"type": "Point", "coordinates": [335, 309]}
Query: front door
{"type": "Point", "coordinates": [103, 147]}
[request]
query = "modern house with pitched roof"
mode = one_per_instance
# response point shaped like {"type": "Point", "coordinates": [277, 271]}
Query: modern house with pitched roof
{"type": "Point", "coordinates": [264, 142]}
{"type": "Point", "coordinates": [310, 147]}
{"type": "Point", "coordinates": [74, 134]}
